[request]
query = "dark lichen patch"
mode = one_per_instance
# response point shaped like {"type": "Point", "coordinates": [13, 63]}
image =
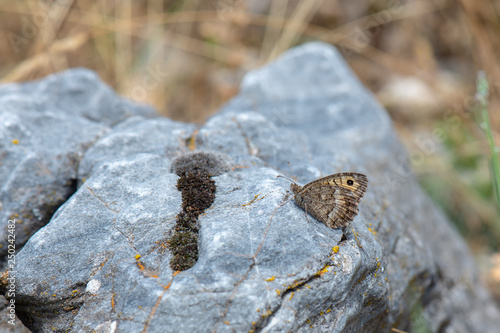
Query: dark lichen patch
{"type": "Point", "coordinates": [184, 247]}
{"type": "Point", "coordinates": [198, 194]}
{"type": "Point", "coordinates": [210, 163]}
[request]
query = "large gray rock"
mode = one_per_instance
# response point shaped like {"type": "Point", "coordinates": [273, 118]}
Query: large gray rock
{"type": "Point", "coordinates": [45, 127]}
{"type": "Point", "coordinates": [102, 263]}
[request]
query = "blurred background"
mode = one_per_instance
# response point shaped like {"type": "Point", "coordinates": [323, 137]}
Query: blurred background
{"type": "Point", "coordinates": [186, 58]}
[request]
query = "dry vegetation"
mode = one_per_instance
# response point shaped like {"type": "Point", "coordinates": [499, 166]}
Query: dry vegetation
{"type": "Point", "coordinates": [420, 59]}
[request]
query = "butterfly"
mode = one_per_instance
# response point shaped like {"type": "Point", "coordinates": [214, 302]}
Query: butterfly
{"type": "Point", "coordinates": [332, 200]}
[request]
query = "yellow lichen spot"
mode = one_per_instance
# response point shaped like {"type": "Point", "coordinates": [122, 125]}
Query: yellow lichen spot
{"type": "Point", "coordinates": [176, 272]}
{"type": "Point", "coordinates": [192, 140]}
{"type": "Point", "coordinates": [335, 249]}
{"type": "Point", "coordinates": [251, 202]}
{"type": "Point", "coordinates": [54, 295]}
{"type": "Point", "coordinates": [378, 265]}
{"type": "Point", "coordinates": [328, 311]}
{"type": "Point", "coordinates": [74, 291]}
{"type": "Point", "coordinates": [137, 256]}
{"type": "Point", "coordinates": [278, 292]}
{"type": "Point", "coordinates": [366, 294]}
{"type": "Point", "coordinates": [140, 265]}
{"type": "Point", "coordinates": [258, 310]}
{"type": "Point", "coordinates": [15, 141]}
{"type": "Point", "coordinates": [335, 273]}
{"type": "Point", "coordinates": [253, 322]}
{"type": "Point", "coordinates": [270, 279]}
{"type": "Point", "coordinates": [308, 321]}
{"type": "Point", "coordinates": [226, 322]}
{"type": "Point", "coordinates": [239, 167]}
{"type": "Point", "coordinates": [140, 307]}
{"type": "Point", "coordinates": [323, 271]}
{"type": "Point", "coordinates": [291, 296]}
{"type": "Point", "coordinates": [386, 280]}
{"type": "Point", "coordinates": [321, 313]}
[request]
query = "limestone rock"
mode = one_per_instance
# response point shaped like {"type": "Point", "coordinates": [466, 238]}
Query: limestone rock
{"type": "Point", "coordinates": [45, 128]}
{"type": "Point", "coordinates": [102, 263]}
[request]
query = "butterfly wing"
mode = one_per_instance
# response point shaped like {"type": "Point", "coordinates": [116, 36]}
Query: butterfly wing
{"type": "Point", "coordinates": [334, 199]}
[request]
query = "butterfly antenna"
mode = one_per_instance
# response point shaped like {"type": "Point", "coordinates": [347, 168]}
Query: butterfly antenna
{"type": "Point", "coordinates": [290, 179]}
{"type": "Point", "coordinates": [291, 169]}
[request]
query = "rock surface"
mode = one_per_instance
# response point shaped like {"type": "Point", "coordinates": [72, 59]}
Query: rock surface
{"type": "Point", "coordinates": [102, 263]}
{"type": "Point", "coordinates": [45, 128]}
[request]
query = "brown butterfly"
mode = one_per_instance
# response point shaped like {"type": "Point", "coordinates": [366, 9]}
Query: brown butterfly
{"type": "Point", "coordinates": [333, 199]}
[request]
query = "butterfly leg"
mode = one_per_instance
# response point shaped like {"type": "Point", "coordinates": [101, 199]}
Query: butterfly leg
{"type": "Point", "coordinates": [344, 236]}
{"type": "Point", "coordinates": [305, 208]}
{"type": "Point", "coordinates": [287, 199]}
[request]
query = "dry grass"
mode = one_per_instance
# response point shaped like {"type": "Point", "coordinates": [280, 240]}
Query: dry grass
{"type": "Point", "coordinates": [419, 58]}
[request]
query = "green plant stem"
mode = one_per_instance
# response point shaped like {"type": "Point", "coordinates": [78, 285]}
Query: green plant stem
{"type": "Point", "coordinates": [482, 97]}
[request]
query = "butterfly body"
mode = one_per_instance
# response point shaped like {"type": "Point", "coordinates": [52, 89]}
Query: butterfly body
{"type": "Point", "coordinates": [333, 199]}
